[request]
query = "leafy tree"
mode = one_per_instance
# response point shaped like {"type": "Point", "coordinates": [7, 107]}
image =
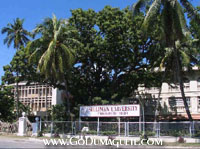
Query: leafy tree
{"type": "Point", "coordinates": [174, 36]}
{"type": "Point", "coordinates": [110, 64]}
{"type": "Point", "coordinates": [17, 35]}
{"type": "Point", "coordinates": [59, 113]}
{"type": "Point", "coordinates": [56, 49]}
{"type": "Point", "coordinates": [26, 70]}
{"type": "Point", "coordinates": [6, 104]}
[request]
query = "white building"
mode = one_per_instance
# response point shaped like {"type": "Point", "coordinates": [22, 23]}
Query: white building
{"type": "Point", "coordinates": [171, 94]}
{"type": "Point", "coordinates": [38, 97]}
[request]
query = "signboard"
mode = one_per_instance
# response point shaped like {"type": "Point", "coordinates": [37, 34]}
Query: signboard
{"type": "Point", "coordinates": [110, 111]}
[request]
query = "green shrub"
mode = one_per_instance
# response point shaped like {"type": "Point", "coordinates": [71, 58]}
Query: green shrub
{"type": "Point", "coordinates": [175, 133]}
{"type": "Point", "coordinates": [92, 132]}
{"type": "Point", "coordinates": [107, 133]}
{"type": "Point", "coordinates": [137, 133]}
{"type": "Point", "coordinates": [197, 134]}
{"type": "Point", "coordinates": [40, 133]}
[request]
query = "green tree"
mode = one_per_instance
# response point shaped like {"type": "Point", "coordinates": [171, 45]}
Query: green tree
{"type": "Point", "coordinates": [174, 36]}
{"type": "Point", "coordinates": [6, 104]}
{"type": "Point", "coordinates": [17, 35]}
{"type": "Point", "coordinates": [110, 64]}
{"type": "Point", "coordinates": [56, 50]}
{"type": "Point", "coordinates": [26, 70]}
{"type": "Point", "coordinates": [59, 113]}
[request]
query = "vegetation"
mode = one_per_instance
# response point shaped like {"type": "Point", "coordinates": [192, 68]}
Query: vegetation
{"type": "Point", "coordinates": [7, 104]}
{"type": "Point", "coordinates": [102, 57]}
{"type": "Point", "coordinates": [17, 35]}
{"type": "Point", "coordinates": [174, 37]}
{"type": "Point", "coordinates": [57, 51]}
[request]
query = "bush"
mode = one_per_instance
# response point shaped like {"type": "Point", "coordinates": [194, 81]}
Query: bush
{"type": "Point", "coordinates": [197, 134]}
{"type": "Point", "coordinates": [135, 133]}
{"type": "Point", "coordinates": [107, 133]}
{"type": "Point", "coordinates": [175, 133]}
{"type": "Point", "coordinates": [40, 134]}
{"type": "Point", "coordinates": [91, 132]}
{"type": "Point", "coordinates": [150, 133]}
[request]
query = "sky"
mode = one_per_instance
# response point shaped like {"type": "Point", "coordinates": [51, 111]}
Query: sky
{"type": "Point", "coordinates": [34, 12]}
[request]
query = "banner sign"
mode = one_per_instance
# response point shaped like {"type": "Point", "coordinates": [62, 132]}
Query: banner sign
{"type": "Point", "coordinates": [110, 111]}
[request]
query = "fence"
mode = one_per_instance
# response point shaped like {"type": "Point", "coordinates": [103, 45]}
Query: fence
{"type": "Point", "coordinates": [8, 127]}
{"type": "Point", "coordinates": [12, 128]}
{"type": "Point", "coordinates": [156, 129]}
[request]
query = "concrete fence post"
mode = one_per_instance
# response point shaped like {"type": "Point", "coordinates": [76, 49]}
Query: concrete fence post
{"type": "Point", "coordinates": [119, 126]}
{"type": "Point", "coordinates": [40, 124]}
{"type": "Point", "coordinates": [98, 126]}
{"type": "Point", "coordinates": [193, 131]}
{"type": "Point", "coordinates": [191, 128]}
{"type": "Point", "coordinates": [125, 129]}
{"type": "Point", "coordinates": [51, 128]}
{"type": "Point", "coordinates": [158, 129]}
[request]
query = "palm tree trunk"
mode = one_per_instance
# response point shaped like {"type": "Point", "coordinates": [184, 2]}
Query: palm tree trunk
{"type": "Point", "coordinates": [17, 88]}
{"type": "Point", "coordinates": [158, 101]}
{"type": "Point", "coordinates": [17, 91]}
{"type": "Point", "coordinates": [180, 80]}
{"type": "Point", "coordinates": [46, 102]}
{"type": "Point", "coordinates": [68, 102]}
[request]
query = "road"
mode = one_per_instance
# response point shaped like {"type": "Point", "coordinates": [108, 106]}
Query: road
{"type": "Point", "coordinates": [19, 142]}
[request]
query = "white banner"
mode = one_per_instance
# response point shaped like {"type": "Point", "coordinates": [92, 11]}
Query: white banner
{"type": "Point", "coordinates": [110, 111]}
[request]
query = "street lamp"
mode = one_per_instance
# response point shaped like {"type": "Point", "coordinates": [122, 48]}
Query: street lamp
{"type": "Point", "coordinates": [142, 109]}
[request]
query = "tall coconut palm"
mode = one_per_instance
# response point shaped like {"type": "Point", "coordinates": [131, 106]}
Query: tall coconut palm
{"type": "Point", "coordinates": [174, 34]}
{"type": "Point", "coordinates": [55, 50]}
{"type": "Point", "coordinates": [17, 36]}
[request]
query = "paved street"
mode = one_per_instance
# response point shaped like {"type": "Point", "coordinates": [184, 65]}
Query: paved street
{"type": "Point", "coordinates": [17, 142]}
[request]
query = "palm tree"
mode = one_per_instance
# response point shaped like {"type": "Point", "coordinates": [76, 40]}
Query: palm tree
{"type": "Point", "coordinates": [174, 35]}
{"type": "Point", "coordinates": [56, 50]}
{"type": "Point", "coordinates": [17, 35]}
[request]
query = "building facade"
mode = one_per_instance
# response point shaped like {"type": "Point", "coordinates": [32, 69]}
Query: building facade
{"type": "Point", "coordinates": [171, 95]}
{"type": "Point", "coordinates": [38, 97]}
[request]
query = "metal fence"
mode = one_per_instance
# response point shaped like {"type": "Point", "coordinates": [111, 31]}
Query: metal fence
{"type": "Point", "coordinates": [154, 129]}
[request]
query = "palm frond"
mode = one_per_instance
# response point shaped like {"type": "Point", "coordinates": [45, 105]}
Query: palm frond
{"type": "Point", "coordinates": [192, 11]}
{"type": "Point", "coordinates": [152, 13]}
{"type": "Point", "coordinates": [168, 53]}
{"type": "Point", "coordinates": [182, 18]}
{"type": "Point", "coordinates": [135, 8]}
{"type": "Point", "coordinates": [185, 58]}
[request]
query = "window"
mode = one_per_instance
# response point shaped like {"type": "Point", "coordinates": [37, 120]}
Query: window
{"type": "Point", "coordinates": [188, 101]}
{"type": "Point", "coordinates": [199, 101]}
{"type": "Point", "coordinates": [178, 101]}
